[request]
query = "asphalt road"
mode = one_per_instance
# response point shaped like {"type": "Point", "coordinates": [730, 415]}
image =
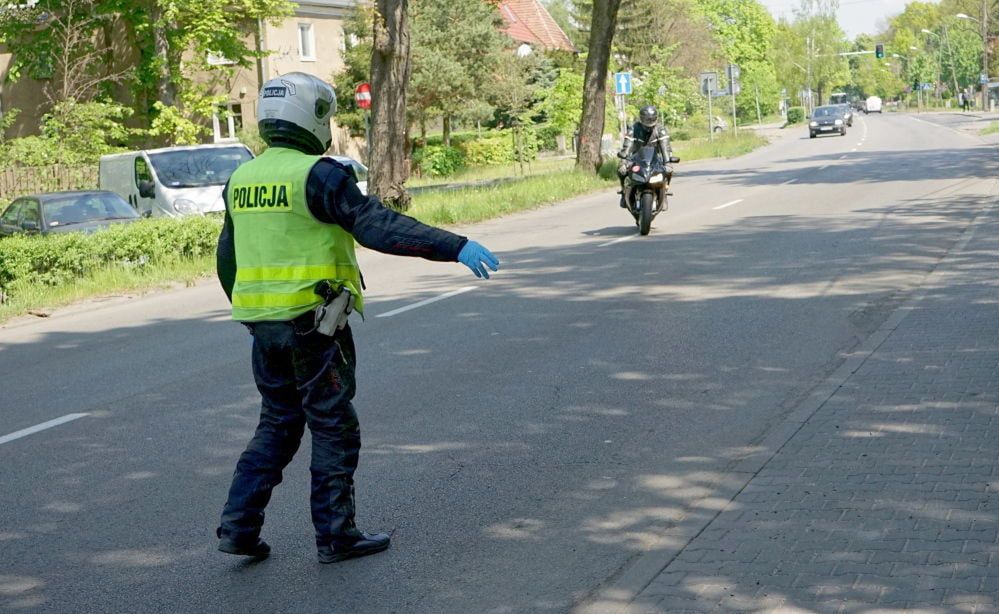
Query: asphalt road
{"type": "Point", "coordinates": [526, 440]}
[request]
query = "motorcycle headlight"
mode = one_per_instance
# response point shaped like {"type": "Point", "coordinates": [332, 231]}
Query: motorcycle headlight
{"type": "Point", "coordinates": [838, 122]}
{"type": "Point", "coordinates": [813, 124]}
{"type": "Point", "coordinates": [657, 178]}
{"type": "Point", "coordinates": [185, 206]}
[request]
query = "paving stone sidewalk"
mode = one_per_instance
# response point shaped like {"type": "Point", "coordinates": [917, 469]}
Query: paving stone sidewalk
{"type": "Point", "coordinates": [886, 499]}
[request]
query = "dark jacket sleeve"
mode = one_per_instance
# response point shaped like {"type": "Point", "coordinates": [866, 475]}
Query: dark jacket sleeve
{"type": "Point", "coordinates": [334, 198]}
{"type": "Point", "coordinates": [225, 254]}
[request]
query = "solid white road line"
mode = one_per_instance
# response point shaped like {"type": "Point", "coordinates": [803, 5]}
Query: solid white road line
{"type": "Point", "coordinates": [789, 182]}
{"type": "Point", "coordinates": [31, 430]}
{"type": "Point", "coordinates": [622, 239]}
{"type": "Point", "coordinates": [734, 202]}
{"type": "Point", "coordinates": [395, 312]}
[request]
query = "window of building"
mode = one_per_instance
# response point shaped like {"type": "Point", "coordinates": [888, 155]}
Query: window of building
{"type": "Point", "coordinates": [306, 43]}
{"type": "Point", "coordinates": [236, 112]}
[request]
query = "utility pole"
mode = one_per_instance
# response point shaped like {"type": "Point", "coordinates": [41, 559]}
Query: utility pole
{"type": "Point", "coordinates": [808, 42]}
{"type": "Point", "coordinates": [985, 55]}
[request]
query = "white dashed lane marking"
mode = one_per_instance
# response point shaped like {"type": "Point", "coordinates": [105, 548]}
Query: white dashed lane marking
{"type": "Point", "coordinates": [31, 430]}
{"type": "Point", "coordinates": [429, 301]}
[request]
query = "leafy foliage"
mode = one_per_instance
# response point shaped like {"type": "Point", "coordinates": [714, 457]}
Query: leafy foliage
{"type": "Point", "coordinates": [73, 134]}
{"type": "Point", "coordinates": [357, 30]}
{"type": "Point", "coordinates": [672, 92]}
{"type": "Point", "coordinates": [795, 115]}
{"type": "Point", "coordinates": [563, 103]}
{"type": "Point", "coordinates": [439, 160]}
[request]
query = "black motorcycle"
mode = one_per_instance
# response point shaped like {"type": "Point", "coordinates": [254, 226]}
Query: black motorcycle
{"type": "Point", "coordinates": [647, 186]}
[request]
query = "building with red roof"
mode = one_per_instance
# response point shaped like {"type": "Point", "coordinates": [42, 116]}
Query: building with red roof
{"type": "Point", "coordinates": [530, 24]}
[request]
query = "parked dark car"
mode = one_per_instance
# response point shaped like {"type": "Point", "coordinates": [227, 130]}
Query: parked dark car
{"type": "Point", "coordinates": [65, 212]}
{"type": "Point", "coordinates": [826, 120]}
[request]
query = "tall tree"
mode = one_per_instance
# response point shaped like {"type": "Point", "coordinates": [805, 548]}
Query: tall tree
{"type": "Point", "coordinates": [745, 34]}
{"type": "Point", "coordinates": [603, 22]}
{"type": "Point", "coordinates": [816, 26]}
{"type": "Point", "coordinates": [390, 71]}
{"type": "Point", "coordinates": [457, 47]}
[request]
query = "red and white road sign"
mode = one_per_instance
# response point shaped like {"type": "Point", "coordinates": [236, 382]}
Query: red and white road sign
{"type": "Point", "coordinates": [362, 95]}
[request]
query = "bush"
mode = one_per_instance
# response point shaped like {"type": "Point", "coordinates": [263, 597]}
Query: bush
{"type": "Point", "coordinates": [546, 138]}
{"type": "Point", "coordinates": [60, 259]}
{"type": "Point", "coordinates": [498, 148]}
{"type": "Point", "coordinates": [439, 161]}
{"type": "Point", "coordinates": [795, 115]}
{"type": "Point", "coordinates": [608, 169]}
{"type": "Point", "coordinates": [488, 151]}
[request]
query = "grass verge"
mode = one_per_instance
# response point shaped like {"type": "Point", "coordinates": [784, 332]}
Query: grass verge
{"type": "Point", "coordinates": [482, 203]}
{"type": "Point", "coordinates": [499, 171]}
{"type": "Point", "coordinates": [726, 145]}
{"type": "Point", "coordinates": [106, 282]}
{"type": "Point", "coordinates": [993, 128]}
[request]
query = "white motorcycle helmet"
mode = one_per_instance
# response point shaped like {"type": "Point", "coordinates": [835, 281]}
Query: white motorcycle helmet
{"type": "Point", "coordinates": [295, 110]}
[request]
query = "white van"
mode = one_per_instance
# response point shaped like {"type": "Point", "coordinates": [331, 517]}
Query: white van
{"type": "Point", "coordinates": [872, 105]}
{"type": "Point", "coordinates": [173, 181]}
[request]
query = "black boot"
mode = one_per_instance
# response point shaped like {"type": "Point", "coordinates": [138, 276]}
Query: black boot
{"type": "Point", "coordinates": [367, 543]}
{"type": "Point", "coordinates": [254, 547]}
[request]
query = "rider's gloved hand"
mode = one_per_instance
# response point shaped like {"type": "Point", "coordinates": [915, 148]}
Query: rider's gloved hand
{"type": "Point", "coordinates": [478, 258]}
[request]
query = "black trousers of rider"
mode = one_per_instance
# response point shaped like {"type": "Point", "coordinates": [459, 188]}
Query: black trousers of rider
{"type": "Point", "coordinates": [304, 379]}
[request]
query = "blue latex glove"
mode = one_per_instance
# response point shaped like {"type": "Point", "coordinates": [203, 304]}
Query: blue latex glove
{"type": "Point", "coordinates": [477, 258]}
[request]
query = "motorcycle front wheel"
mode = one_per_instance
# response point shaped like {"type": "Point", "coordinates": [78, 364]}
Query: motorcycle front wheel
{"type": "Point", "coordinates": [645, 213]}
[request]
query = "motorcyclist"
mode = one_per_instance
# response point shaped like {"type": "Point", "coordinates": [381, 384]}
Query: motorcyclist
{"type": "Point", "coordinates": [646, 131]}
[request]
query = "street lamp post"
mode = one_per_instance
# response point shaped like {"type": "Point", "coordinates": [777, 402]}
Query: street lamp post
{"type": "Point", "coordinates": [984, 25]}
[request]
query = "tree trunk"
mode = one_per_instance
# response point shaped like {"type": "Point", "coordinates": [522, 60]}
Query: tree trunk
{"type": "Point", "coordinates": [447, 131]}
{"type": "Point", "coordinates": [166, 91]}
{"type": "Point", "coordinates": [591, 127]}
{"type": "Point", "coordinates": [390, 70]}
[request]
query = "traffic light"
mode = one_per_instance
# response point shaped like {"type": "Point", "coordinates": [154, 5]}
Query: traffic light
{"type": "Point", "coordinates": [879, 51]}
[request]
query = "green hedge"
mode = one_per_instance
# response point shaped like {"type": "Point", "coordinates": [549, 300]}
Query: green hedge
{"type": "Point", "coordinates": [60, 259]}
{"type": "Point", "coordinates": [498, 148]}
{"type": "Point", "coordinates": [439, 161]}
{"type": "Point", "coordinates": [795, 115]}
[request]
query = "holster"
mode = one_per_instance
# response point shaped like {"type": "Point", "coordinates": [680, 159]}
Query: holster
{"type": "Point", "coordinates": [338, 303]}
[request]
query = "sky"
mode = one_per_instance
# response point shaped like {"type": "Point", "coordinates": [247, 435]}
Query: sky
{"type": "Point", "coordinates": [855, 16]}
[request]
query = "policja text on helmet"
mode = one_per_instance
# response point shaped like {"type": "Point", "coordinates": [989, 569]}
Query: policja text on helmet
{"type": "Point", "coordinates": [295, 110]}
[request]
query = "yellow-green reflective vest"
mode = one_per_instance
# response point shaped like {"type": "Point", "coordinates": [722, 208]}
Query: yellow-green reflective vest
{"type": "Point", "coordinates": [282, 251]}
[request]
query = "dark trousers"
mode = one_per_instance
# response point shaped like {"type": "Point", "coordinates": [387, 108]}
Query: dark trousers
{"type": "Point", "coordinates": [304, 379]}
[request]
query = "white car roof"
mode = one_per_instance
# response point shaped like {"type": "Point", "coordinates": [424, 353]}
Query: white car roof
{"type": "Point", "coordinates": [177, 148]}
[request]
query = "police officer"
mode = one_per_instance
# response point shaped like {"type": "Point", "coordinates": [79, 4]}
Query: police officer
{"type": "Point", "coordinates": [646, 131]}
{"type": "Point", "coordinates": [286, 260]}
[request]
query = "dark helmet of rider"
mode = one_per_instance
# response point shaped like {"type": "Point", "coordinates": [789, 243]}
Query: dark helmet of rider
{"type": "Point", "coordinates": [295, 110]}
{"type": "Point", "coordinates": [648, 116]}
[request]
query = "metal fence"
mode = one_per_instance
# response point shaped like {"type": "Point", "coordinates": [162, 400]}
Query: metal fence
{"type": "Point", "coordinates": [21, 180]}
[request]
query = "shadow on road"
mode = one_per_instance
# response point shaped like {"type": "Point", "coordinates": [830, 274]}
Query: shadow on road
{"type": "Point", "coordinates": [480, 455]}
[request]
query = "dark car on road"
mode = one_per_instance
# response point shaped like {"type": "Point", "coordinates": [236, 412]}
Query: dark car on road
{"type": "Point", "coordinates": [827, 120]}
{"type": "Point", "coordinates": [65, 212]}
